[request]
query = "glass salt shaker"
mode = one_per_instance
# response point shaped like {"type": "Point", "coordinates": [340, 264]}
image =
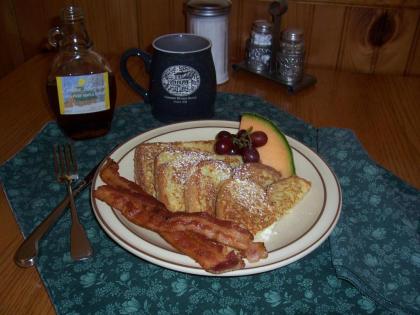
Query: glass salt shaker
{"type": "Point", "coordinates": [290, 56]}
{"type": "Point", "coordinates": [259, 45]}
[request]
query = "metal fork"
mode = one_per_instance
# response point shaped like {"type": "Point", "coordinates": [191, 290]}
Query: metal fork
{"type": "Point", "coordinates": [65, 167]}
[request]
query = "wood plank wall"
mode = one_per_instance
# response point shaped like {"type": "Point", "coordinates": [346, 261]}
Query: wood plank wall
{"type": "Point", "coordinates": [370, 36]}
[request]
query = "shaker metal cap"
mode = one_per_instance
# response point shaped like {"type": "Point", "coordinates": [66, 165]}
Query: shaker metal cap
{"type": "Point", "coordinates": [208, 7]}
{"type": "Point", "coordinates": [292, 34]}
{"type": "Point", "coordinates": [262, 26]}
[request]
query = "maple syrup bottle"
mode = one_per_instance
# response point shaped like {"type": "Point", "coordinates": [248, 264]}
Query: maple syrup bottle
{"type": "Point", "coordinates": [80, 86]}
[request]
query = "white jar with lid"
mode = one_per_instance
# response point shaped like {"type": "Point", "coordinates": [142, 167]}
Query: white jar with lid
{"type": "Point", "coordinates": [210, 19]}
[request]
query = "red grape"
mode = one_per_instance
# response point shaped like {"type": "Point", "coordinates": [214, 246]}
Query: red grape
{"type": "Point", "coordinates": [223, 146]}
{"type": "Point", "coordinates": [258, 138]}
{"type": "Point", "coordinates": [235, 150]}
{"type": "Point", "coordinates": [232, 152]}
{"type": "Point", "coordinates": [241, 133]}
{"type": "Point", "coordinates": [224, 135]}
{"type": "Point", "coordinates": [250, 154]}
{"type": "Point", "coordinates": [244, 143]}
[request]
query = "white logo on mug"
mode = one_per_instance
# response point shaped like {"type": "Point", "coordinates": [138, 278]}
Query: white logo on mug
{"type": "Point", "coordinates": [180, 80]}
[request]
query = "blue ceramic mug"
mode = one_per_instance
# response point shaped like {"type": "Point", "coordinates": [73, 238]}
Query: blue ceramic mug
{"type": "Point", "coordinates": [182, 77]}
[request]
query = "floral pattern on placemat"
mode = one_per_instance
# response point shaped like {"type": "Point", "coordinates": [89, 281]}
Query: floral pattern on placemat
{"type": "Point", "coordinates": [376, 243]}
{"type": "Point", "coordinates": [117, 282]}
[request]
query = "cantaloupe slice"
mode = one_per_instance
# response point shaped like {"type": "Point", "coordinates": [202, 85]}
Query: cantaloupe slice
{"type": "Point", "coordinates": [276, 152]}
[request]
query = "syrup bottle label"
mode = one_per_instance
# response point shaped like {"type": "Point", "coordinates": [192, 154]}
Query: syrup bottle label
{"type": "Point", "coordinates": [83, 93]}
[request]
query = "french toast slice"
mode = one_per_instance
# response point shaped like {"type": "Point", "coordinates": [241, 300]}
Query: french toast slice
{"type": "Point", "coordinates": [203, 184]}
{"type": "Point", "coordinates": [244, 202]}
{"type": "Point", "coordinates": [173, 167]}
{"type": "Point", "coordinates": [259, 173]}
{"type": "Point", "coordinates": [144, 157]}
{"type": "Point", "coordinates": [283, 195]}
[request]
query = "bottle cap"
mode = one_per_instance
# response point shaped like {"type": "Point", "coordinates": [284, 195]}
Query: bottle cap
{"type": "Point", "coordinates": [208, 7]}
{"type": "Point", "coordinates": [72, 14]}
{"type": "Point", "coordinates": [292, 34]}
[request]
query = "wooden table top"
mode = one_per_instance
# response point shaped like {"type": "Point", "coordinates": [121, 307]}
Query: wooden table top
{"type": "Point", "coordinates": [384, 112]}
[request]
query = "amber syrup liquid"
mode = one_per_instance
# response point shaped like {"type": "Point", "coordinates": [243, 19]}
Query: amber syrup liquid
{"type": "Point", "coordinates": [87, 125]}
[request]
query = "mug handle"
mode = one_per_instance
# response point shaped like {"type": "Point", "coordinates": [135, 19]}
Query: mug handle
{"type": "Point", "coordinates": [147, 59]}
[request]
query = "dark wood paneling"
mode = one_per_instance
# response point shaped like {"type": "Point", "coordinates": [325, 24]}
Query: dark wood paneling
{"type": "Point", "coordinates": [155, 18]}
{"type": "Point", "coordinates": [11, 54]}
{"type": "Point", "coordinates": [325, 38]}
{"type": "Point", "coordinates": [413, 64]}
{"type": "Point", "coordinates": [370, 36]}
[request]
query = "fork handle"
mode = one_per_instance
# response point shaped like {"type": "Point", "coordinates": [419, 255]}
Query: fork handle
{"type": "Point", "coordinates": [80, 247]}
{"type": "Point", "coordinates": [27, 252]}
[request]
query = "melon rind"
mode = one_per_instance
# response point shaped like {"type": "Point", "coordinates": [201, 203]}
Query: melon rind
{"type": "Point", "coordinates": [285, 163]}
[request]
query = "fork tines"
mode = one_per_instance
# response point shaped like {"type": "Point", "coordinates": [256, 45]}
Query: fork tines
{"type": "Point", "coordinates": [65, 164]}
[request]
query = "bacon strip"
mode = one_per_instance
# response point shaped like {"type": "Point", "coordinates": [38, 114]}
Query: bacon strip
{"type": "Point", "coordinates": [225, 232]}
{"type": "Point", "coordinates": [145, 210]}
{"type": "Point", "coordinates": [212, 256]}
{"type": "Point", "coordinates": [221, 231]}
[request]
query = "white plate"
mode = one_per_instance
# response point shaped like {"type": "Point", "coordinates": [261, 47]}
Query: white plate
{"type": "Point", "coordinates": [293, 237]}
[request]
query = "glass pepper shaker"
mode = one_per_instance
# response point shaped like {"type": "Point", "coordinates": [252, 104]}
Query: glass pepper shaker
{"type": "Point", "coordinates": [81, 85]}
{"type": "Point", "coordinates": [290, 56]}
{"type": "Point", "coordinates": [259, 45]}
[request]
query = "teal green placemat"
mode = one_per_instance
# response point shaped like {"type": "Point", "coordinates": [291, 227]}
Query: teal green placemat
{"type": "Point", "coordinates": [116, 282]}
{"type": "Point", "coordinates": [376, 244]}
